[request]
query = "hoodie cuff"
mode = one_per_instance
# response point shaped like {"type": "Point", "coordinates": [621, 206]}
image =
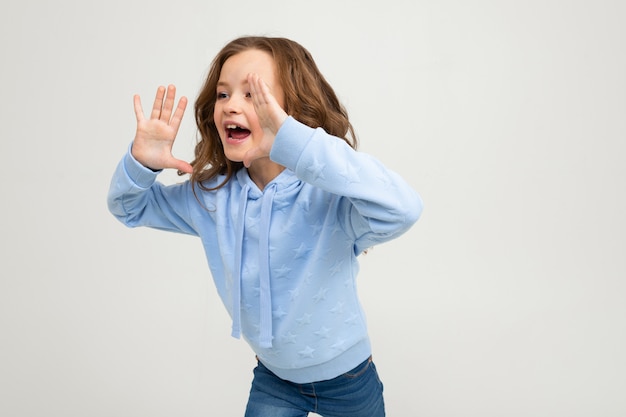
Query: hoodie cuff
{"type": "Point", "coordinates": [142, 177]}
{"type": "Point", "coordinates": [289, 143]}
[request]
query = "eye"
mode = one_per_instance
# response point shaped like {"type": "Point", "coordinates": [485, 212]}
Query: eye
{"type": "Point", "coordinates": [222, 95]}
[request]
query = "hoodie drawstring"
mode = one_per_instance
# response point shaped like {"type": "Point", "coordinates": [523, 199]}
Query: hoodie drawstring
{"type": "Point", "coordinates": [265, 313]}
{"type": "Point", "coordinates": [241, 217]}
{"type": "Point", "coordinates": [265, 339]}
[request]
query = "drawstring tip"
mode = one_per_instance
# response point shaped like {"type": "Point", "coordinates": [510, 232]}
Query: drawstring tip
{"type": "Point", "coordinates": [266, 341]}
{"type": "Point", "coordinates": [266, 345]}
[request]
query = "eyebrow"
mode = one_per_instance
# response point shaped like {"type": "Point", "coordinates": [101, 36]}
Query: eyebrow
{"type": "Point", "coordinates": [224, 83]}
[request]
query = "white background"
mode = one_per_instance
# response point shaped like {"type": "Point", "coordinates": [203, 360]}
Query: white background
{"type": "Point", "coordinates": [509, 118]}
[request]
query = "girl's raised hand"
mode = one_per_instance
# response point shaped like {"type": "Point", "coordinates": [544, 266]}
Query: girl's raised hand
{"type": "Point", "coordinates": [155, 136]}
{"type": "Point", "coordinates": [271, 117]}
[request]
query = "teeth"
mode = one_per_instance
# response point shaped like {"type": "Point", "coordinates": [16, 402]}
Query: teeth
{"type": "Point", "coordinates": [231, 126]}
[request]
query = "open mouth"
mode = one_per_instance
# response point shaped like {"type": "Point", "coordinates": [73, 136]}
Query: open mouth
{"type": "Point", "coordinates": [236, 132]}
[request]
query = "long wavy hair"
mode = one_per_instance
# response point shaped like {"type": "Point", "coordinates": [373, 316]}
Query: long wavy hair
{"type": "Point", "coordinates": [308, 98]}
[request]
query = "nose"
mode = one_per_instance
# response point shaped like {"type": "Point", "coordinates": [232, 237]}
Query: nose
{"type": "Point", "coordinates": [233, 105]}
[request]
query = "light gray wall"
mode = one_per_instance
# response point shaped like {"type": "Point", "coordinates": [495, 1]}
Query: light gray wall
{"type": "Point", "coordinates": [507, 297]}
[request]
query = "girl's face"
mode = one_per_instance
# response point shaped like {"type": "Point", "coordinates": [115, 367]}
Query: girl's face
{"type": "Point", "coordinates": [234, 115]}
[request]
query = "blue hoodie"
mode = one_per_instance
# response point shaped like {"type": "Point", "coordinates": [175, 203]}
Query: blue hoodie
{"type": "Point", "coordinates": [284, 260]}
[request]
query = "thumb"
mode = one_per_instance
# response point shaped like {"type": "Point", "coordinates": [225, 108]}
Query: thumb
{"type": "Point", "coordinates": [251, 156]}
{"type": "Point", "coordinates": [182, 166]}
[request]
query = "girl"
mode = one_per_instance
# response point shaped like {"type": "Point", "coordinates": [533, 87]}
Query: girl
{"type": "Point", "coordinates": [283, 205]}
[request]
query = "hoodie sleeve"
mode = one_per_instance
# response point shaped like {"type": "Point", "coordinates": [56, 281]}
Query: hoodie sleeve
{"type": "Point", "coordinates": [381, 206]}
{"type": "Point", "coordinates": [136, 199]}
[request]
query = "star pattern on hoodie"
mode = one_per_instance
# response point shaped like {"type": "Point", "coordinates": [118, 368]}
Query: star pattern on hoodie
{"type": "Point", "coordinates": [352, 320]}
{"type": "Point", "coordinates": [308, 278]}
{"type": "Point", "coordinates": [305, 319]}
{"type": "Point", "coordinates": [293, 294]}
{"type": "Point", "coordinates": [283, 271]}
{"type": "Point", "coordinates": [301, 251]}
{"type": "Point", "coordinates": [323, 332]}
{"type": "Point", "coordinates": [338, 308]}
{"type": "Point", "coordinates": [340, 345]}
{"type": "Point", "coordinates": [316, 228]}
{"type": "Point", "coordinates": [350, 174]}
{"type": "Point", "coordinates": [307, 352]}
{"type": "Point", "coordinates": [305, 205]}
{"type": "Point", "coordinates": [383, 177]}
{"type": "Point", "coordinates": [316, 169]}
{"type": "Point", "coordinates": [279, 313]}
{"type": "Point", "coordinates": [290, 338]}
{"type": "Point", "coordinates": [321, 295]}
{"type": "Point", "coordinates": [336, 267]}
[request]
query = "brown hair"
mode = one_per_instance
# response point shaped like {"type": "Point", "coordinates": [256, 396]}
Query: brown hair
{"type": "Point", "coordinates": [308, 98]}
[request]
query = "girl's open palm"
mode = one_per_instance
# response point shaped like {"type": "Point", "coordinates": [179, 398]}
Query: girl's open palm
{"type": "Point", "coordinates": [155, 136]}
{"type": "Point", "coordinates": [271, 117]}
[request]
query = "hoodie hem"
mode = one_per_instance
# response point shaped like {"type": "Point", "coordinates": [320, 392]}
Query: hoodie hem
{"type": "Point", "coordinates": [328, 370]}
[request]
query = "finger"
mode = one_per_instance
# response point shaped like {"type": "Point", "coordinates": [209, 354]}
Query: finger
{"type": "Point", "coordinates": [256, 88]}
{"type": "Point", "coordinates": [262, 95]}
{"type": "Point", "coordinates": [158, 103]}
{"type": "Point", "coordinates": [178, 114]}
{"type": "Point", "coordinates": [271, 114]}
{"type": "Point", "coordinates": [182, 166]}
{"type": "Point", "coordinates": [258, 100]}
{"type": "Point", "coordinates": [168, 105]}
{"type": "Point", "coordinates": [138, 109]}
{"type": "Point", "coordinates": [252, 81]}
{"type": "Point", "coordinates": [263, 88]}
{"type": "Point", "coordinates": [250, 157]}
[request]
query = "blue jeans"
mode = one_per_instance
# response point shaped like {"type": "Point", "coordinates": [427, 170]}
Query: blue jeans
{"type": "Point", "coordinates": [357, 393]}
